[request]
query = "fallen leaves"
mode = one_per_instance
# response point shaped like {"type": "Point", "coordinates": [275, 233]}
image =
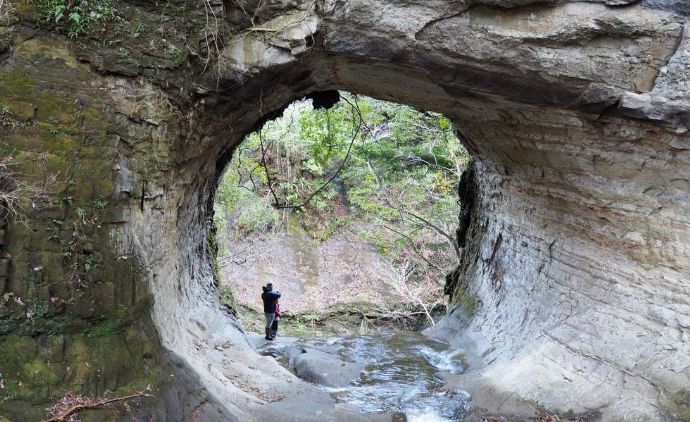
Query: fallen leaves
{"type": "Point", "coordinates": [70, 404]}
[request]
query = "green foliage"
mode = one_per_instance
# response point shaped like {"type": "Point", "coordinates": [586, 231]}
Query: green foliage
{"type": "Point", "coordinates": [257, 216]}
{"type": "Point", "coordinates": [81, 213]}
{"type": "Point", "coordinates": [368, 168]}
{"type": "Point", "coordinates": [324, 231]}
{"type": "Point", "coordinates": [140, 30]}
{"type": "Point", "coordinates": [248, 211]}
{"type": "Point", "coordinates": [77, 16]}
{"type": "Point", "coordinates": [398, 150]}
{"type": "Point", "coordinates": [106, 328]}
{"type": "Point", "coordinates": [100, 203]}
{"type": "Point", "coordinates": [90, 264]}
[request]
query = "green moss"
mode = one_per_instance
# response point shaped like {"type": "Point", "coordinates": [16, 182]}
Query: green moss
{"type": "Point", "coordinates": [18, 110]}
{"type": "Point", "coordinates": [681, 399]}
{"type": "Point", "coordinates": [15, 80]}
{"type": "Point", "coordinates": [6, 36]}
{"type": "Point", "coordinates": [466, 301]}
{"type": "Point", "coordinates": [107, 328]}
{"type": "Point", "coordinates": [51, 261]}
{"type": "Point", "coordinates": [92, 181]}
{"type": "Point", "coordinates": [227, 298]}
{"type": "Point", "coordinates": [38, 316]}
{"type": "Point", "coordinates": [21, 368]}
{"type": "Point", "coordinates": [26, 10]}
{"type": "Point", "coordinates": [37, 371]}
{"type": "Point", "coordinates": [294, 226]}
{"type": "Point", "coordinates": [93, 339]}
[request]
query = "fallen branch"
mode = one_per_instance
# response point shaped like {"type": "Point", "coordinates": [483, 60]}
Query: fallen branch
{"type": "Point", "coordinates": [224, 262]}
{"type": "Point", "coordinates": [71, 404]}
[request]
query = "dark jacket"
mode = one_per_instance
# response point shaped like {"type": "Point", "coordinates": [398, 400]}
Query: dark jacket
{"type": "Point", "coordinates": [269, 297]}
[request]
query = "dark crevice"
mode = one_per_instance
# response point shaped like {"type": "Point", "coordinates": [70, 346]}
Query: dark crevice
{"type": "Point", "coordinates": [610, 109]}
{"type": "Point", "coordinates": [467, 192]}
{"type": "Point", "coordinates": [468, 189]}
{"type": "Point", "coordinates": [620, 4]}
{"type": "Point", "coordinates": [497, 246]}
{"type": "Point", "coordinates": [143, 195]}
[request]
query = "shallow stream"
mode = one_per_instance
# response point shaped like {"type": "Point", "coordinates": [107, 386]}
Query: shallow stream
{"type": "Point", "coordinates": [401, 375]}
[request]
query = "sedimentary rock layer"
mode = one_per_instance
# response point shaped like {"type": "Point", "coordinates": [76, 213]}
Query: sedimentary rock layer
{"type": "Point", "coordinates": [573, 289]}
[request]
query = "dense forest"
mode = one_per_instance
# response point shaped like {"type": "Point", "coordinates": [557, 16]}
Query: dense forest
{"type": "Point", "coordinates": [375, 172]}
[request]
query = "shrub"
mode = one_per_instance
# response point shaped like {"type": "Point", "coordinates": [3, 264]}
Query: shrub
{"type": "Point", "coordinates": [77, 16]}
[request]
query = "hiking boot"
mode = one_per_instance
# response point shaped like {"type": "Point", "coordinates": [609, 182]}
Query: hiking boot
{"type": "Point", "coordinates": [268, 334]}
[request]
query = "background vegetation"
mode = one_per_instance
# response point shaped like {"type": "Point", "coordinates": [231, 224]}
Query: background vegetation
{"type": "Point", "coordinates": [383, 172]}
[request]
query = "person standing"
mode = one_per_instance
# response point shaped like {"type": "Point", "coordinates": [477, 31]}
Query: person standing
{"type": "Point", "coordinates": [270, 299]}
{"type": "Point", "coordinates": [274, 326]}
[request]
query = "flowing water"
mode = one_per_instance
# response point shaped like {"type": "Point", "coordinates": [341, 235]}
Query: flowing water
{"type": "Point", "coordinates": [401, 375]}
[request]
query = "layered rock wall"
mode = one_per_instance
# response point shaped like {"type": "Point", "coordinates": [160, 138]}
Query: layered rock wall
{"type": "Point", "coordinates": [573, 286]}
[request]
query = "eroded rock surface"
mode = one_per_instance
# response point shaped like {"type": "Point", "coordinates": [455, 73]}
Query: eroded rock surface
{"type": "Point", "coordinates": [573, 290]}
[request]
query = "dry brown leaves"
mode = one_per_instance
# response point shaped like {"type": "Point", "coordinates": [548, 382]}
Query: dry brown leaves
{"type": "Point", "coordinates": [70, 404]}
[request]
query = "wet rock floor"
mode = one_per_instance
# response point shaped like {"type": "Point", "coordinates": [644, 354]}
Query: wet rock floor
{"type": "Point", "coordinates": [398, 372]}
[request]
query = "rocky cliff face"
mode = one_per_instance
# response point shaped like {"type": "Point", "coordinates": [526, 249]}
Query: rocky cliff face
{"type": "Point", "coordinates": [573, 290]}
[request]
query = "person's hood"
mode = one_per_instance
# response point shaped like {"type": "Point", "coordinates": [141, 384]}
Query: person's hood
{"type": "Point", "coordinates": [266, 289]}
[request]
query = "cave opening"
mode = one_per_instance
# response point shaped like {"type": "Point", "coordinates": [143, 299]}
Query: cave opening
{"type": "Point", "coordinates": [574, 242]}
{"type": "Point", "coordinates": [349, 206]}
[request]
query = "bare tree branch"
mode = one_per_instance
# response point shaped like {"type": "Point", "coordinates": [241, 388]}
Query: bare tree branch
{"type": "Point", "coordinates": [399, 280]}
{"type": "Point", "coordinates": [437, 229]}
{"type": "Point", "coordinates": [412, 244]}
{"type": "Point", "coordinates": [71, 404]}
{"type": "Point", "coordinates": [355, 133]}
{"type": "Point", "coordinates": [265, 166]}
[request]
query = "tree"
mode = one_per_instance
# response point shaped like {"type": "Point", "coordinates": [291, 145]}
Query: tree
{"type": "Point", "coordinates": [363, 160]}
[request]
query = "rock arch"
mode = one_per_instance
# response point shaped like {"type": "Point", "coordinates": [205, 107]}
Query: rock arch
{"type": "Point", "coordinates": [573, 288]}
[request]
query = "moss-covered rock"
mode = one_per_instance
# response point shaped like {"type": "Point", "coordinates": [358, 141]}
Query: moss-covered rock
{"type": "Point", "coordinates": [73, 311]}
{"type": "Point", "coordinates": [107, 359]}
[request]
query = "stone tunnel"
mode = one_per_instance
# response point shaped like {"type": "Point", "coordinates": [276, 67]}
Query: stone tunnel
{"type": "Point", "coordinates": [573, 290]}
